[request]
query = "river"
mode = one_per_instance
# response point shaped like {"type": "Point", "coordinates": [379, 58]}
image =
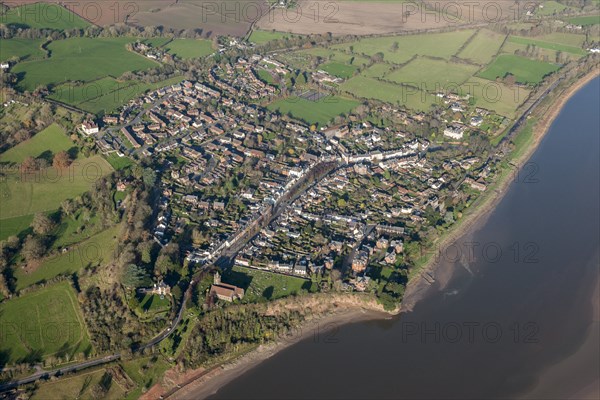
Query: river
{"type": "Point", "coordinates": [517, 319]}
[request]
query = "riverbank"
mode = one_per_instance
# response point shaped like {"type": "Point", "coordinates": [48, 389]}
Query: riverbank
{"type": "Point", "coordinates": [327, 312]}
{"type": "Point", "coordinates": [433, 270]}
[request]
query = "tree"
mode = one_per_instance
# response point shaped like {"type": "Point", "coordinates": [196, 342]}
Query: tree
{"type": "Point", "coordinates": [149, 177]}
{"type": "Point", "coordinates": [135, 276]}
{"type": "Point", "coordinates": [61, 160]}
{"type": "Point", "coordinates": [29, 164]}
{"type": "Point", "coordinates": [42, 224]}
{"type": "Point", "coordinates": [33, 248]}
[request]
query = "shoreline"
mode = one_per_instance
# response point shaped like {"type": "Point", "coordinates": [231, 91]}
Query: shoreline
{"type": "Point", "coordinates": [215, 378]}
{"type": "Point", "coordinates": [419, 285]}
{"type": "Point", "coordinates": [210, 380]}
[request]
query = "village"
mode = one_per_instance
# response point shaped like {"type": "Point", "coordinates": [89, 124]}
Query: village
{"type": "Point", "coordinates": [245, 177]}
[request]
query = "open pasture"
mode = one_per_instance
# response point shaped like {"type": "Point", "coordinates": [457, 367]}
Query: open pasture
{"type": "Point", "coordinates": [524, 70]}
{"type": "Point", "coordinates": [23, 49]}
{"type": "Point", "coordinates": [189, 48]}
{"type": "Point", "coordinates": [80, 59]}
{"type": "Point", "coordinates": [42, 323]}
{"type": "Point", "coordinates": [314, 112]}
{"type": "Point", "coordinates": [42, 15]}
{"type": "Point", "coordinates": [432, 75]}
{"type": "Point", "coordinates": [483, 47]}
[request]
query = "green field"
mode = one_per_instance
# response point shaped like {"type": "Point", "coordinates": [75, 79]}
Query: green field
{"type": "Point", "coordinates": [265, 76]}
{"type": "Point", "coordinates": [314, 112]}
{"type": "Point", "coordinates": [92, 251]}
{"type": "Point", "coordinates": [495, 96]}
{"type": "Point", "coordinates": [548, 45]}
{"type": "Point", "coordinates": [42, 323]}
{"type": "Point", "coordinates": [569, 39]}
{"type": "Point", "coordinates": [443, 45]}
{"type": "Point", "coordinates": [262, 37]}
{"type": "Point", "coordinates": [585, 21]}
{"type": "Point", "coordinates": [369, 88]}
{"type": "Point", "coordinates": [550, 7]}
{"type": "Point", "coordinates": [262, 285]}
{"type": "Point", "coordinates": [80, 59]}
{"type": "Point", "coordinates": [42, 15]}
{"type": "Point", "coordinates": [21, 48]}
{"type": "Point", "coordinates": [144, 372]}
{"type": "Point", "coordinates": [117, 162]}
{"type": "Point", "coordinates": [378, 70]}
{"type": "Point", "coordinates": [189, 48]}
{"type": "Point", "coordinates": [52, 139]}
{"type": "Point", "coordinates": [77, 387]}
{"type": "Point", "coordinates": [45, 190]}
{"type": "Point", "coordinates": [483, 48]}
{"type": "Point", "coordinates": [338, 69]}
{"type": "Point", "coordinates": [432, 75]}
{"type": "Point", "coordinates": [525, 71]}
{"type": "Point", "coordinates": [331, 55]}
{"type": "Point", "coordinates": [14, 226]}
{"type": "Point", "coordinates": [105, 95]}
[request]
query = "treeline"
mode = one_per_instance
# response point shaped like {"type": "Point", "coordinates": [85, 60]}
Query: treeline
{"type": "Point", "coordinates": [233, 329]}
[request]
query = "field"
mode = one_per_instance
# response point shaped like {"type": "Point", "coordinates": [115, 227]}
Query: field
{"type": "Point", "coordinates": [550, 8]}
{"type": "Point", "coordinates": [338, 69]}
{"type": "Point", "coordinates": [42, 15]}
{"type": "Point", "coordinates": [495, 96]}
{"type": "Point", "coordinates": [144, 372]}
{"type": "Point", "coordinates": [105, 95]}
{"type": "Point", "coordinates": [585, 21]}
{"type": "Point", "coordinates": [117, 162]}
{"type": "Point", "coordinates": [443, 45]}
{"type": "Point", "coordinates": [13, 226]}
{"type": "Point", "coordinates": [80, 59]}
{"type": "Point", "coordinates": [189, 48]}
{"type": "Point", "coordinates": [44, 190]}
{"type": "Point", "coordinates": [52, 139]}
{"type": "Point", "coordinates": [432, 75]}
{"type": "Point", "coordinates": [548, 45]}
{"type": "Point", "coordinates": [483, 48]}
{"type": "Point", "coordinates": [262, 37]}
{"type": "Point", "coordinates": [42, 323]}
{"type": "Point", "coordinates": [261, 285]}
{"type": "Point", "coordinates": [21, 48]}
{"type": "Point", "coordinates": [378, 70]}
{"type": "Point", "coordinates": [569, 39]}
{"type": "Point", "coordinates": [525, 71]}
{"type": "Point", "coordinates": [92, 251]}
{"type": "Point", "coordinates": [369, 88]}
{"type": "Point", "coordinates": [76, 387]}
{"type": "Point", "coordinates": [314, 112]}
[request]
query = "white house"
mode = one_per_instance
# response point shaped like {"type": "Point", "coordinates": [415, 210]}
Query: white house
{"type": "Point", "coordinates": [454, 132]}
{"type": "Point", "coordinates": [4, 65]}
{"type": "Point", "coordinates": [89, 128]}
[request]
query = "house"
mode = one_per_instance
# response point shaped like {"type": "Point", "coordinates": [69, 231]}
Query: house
{"type": "Point", "coordinates": [476, 120]}
{"type": "Point", "coordinates": [89, 128]}
{"type": "Point", "coordinates": [455, 132]}
{"type": "Point", "coordinates": [224, 291]}
{"type": "Point", "coordinates": [4, 65]}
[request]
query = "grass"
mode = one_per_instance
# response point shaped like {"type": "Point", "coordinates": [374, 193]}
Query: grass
{"type": "Point", "coordinates": [145, 372]}
{"type": "Point", "coordinates": [483, 48]}
{"type": "Point", "coordinates": [569, 39]}
{"type": "Point", "coordinates": [369, 88]}
{"type": "Point", "coordinates": [495, 96]}
{"type": "Point", "coordinates": [152, 303]}
{"type": "Point", "coordinates": [93, 251]}
{"type": "Point", "coordinates": [42, 323]}
{"type": "Point", "coordinates": [52, 139]}
{"type": "Point", "coordinates": [548, 45]}
{"type": "Point", "coordinates": [550, 7]}
{"type": "Point", "coordinates": [14, 226]}
{"type": "Point", "coordinates": [265, 76]}
{"type": "Point", "coordinates": [585, 21]}
{"type": "Point", "coordinates": [189, 48]}
{"type": "Point", "coordinates": [262, 37]}
{"type": "Point", "coordinates": [432, 75]}
{"type": "Point", "coordinates": [524, 70]}
{"type": "Point", "coordinates": [443, 45]}
{"type": "Point", "coordinates": [80, 59]}
{"type": "Point", "coordinates": [314, 112]}
{"type": "Point", "coordinates": [23, 49]}
{"type": "Point", "coordinates": [262, 285]}
{"type": "Point", "coordinates": [331, 55]}
{"type": "Point", "coordinates": [42, 15]}
{"type": "Point", "coordinates": [338, 69]}
{"type": "Point", "coordinates": [44, 190]}
{"type": "Point", "coordinates": [378, 70]}
{"type": "Point", "coordinates": [76, 387]}
{"type": "Point", "coordinates": [105, 95]}
{"type": "Point", "coordinates": [118, 163]}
